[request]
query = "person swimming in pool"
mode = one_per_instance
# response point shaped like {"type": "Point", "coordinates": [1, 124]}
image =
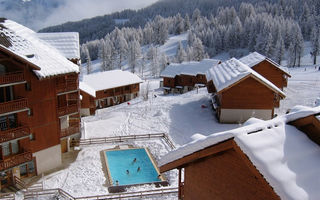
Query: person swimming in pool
{"type": "Point", "coordinates": [128, 172]}
{"type": "Point", "coordinates": [138, 169]}
{"type": "Point", "coordinates": [117, 182]}
{"type": "Point", "coordinates": [135, 160]}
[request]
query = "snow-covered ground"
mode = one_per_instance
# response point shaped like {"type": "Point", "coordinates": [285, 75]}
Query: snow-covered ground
{"type": "Point", "coordinates": [181, 116]}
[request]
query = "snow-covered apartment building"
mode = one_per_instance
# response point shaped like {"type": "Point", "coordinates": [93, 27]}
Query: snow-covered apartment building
{"type": "Point", "coordinates": [181, 78]}
{"type": "Point", "coordinates": [39, 103]}
{"type": "Point", "coordinates": [104, 89]}
{"type": "Point", "coordinates": [274, 159]}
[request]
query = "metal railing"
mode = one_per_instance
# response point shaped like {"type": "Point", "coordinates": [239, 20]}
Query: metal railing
{"type": "Point", "coordinates": [78, 142]}
{"type": "Point", "coordinates": [14, 133]}
{"type": "Point", "coordinates": [7, 196]}
{"type": "Point", "coordinates": [11, 77]}
{"type": "Point", "coordinates": [125, 195]}
{"type": "Point", "coordinates": [13, 105]}
{"type": "Point", "coordinates": [15, 160]}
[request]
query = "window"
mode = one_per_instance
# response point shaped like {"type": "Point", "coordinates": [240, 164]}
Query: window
{"type": "Point", "coordinates": [117, 90]}
{"type": "Point", "coordinates": [28, 86]}
{"type": "Point", "coordinates": [23, 170]}
{"type": "Point", "coordinates": [32, 136]}
{"type": "Point", "coordinates": [127, 88]}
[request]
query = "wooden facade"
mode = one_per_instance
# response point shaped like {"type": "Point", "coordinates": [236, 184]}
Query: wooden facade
{"type": "Point", "coordinates": [107, 98]}
{"type": "Point", "coordinates": [221, 171]}
{"type": "Point", "coordinates": [35, 115]}
{"type": "Point", "coordinates": [273, 73]}
{"type": "Point", "coordinates": [247, 95]}
{"type": "Point", "coordinates": [183, 83]}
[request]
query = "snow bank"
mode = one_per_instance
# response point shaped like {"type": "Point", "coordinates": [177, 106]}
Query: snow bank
{"type": "Point", "coordinates": [279, 151]}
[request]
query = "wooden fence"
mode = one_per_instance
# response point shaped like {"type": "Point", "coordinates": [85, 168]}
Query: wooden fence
{"type": "Point", "coordinates": [165, 137]}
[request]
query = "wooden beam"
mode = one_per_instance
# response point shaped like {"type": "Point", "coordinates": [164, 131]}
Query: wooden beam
{"type": "Point", "coordinates": [216, 148]}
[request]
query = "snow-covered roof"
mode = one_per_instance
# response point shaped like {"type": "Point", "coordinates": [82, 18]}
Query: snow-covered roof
{"type": "Point", "coordinates": [26, 45]}
{"type": "Point", "coordinates": [107, 80]}
{"type": "Point", "coordinates": [232, 71]}
{"type": "Point", "coordinates": [87, 89]}
{"type": "Point", "coordinates": [66, 42]}
{"type": "Point", "coordinates": [255, 58]}
{"type": "Point", "coordinates": [189, 68]}
{"type": "Point", "coordinates": [285, 156]}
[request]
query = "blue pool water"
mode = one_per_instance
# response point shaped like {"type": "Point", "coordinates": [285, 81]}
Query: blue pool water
{"type": "Point", "coordinates": [119, 161]}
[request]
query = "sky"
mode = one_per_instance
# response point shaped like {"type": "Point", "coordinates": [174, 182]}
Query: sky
{"type": "Point", "coordinates": [68, 10]}
{"type": "Point", "coordinates": [80, 9]}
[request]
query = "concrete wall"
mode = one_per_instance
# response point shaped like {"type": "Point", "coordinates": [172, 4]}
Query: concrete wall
{"type": "Point", "coordinates": [85, 111]}
{"type": "Point", "coordinates": [242, 115]}
{"type": "Point", "coordinates": [48, 159]}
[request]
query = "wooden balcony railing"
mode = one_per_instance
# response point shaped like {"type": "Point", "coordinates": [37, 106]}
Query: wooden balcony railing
{"type": "Point", "coordinates": [74, 96]}
{"type": "Point", "coordinates": [69, 85]}
{"type": "Point", "coordinates": [65, 110]}
{"type": "Point", "coordinates": [14, 105]}
{"type": "Point", "coordinates": [69, 131]}
{"type": "Point", "coordinates": [15, 160]}
{"type": "Point", "coordinates": [11, 77]}
{"type": "Point", "coordinates": [14, 133]}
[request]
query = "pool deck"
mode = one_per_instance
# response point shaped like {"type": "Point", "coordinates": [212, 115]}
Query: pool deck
{"type": "Point", "coordinates": [121, 188]}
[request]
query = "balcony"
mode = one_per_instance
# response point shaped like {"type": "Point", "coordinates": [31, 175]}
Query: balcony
{"type": "Point", "coordinates": [15, 133]}
{"type": "Point", "coordinates": [69, 131]}
{"type": "Point", "coordinates": [14, 105]}
{"type": "Point", "coordinates": [66, 110]}
{"type": "Point", "coordinates": [15, 160]}
{"type": "Point", "coordinates": [68, 85]}
{"type": "Point", "coordinates": [11, 78]}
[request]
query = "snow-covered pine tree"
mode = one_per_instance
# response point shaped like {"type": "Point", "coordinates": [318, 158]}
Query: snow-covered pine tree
{"type": "Point", "coordinates": [187, 24]}
{"type": "Point", "coordinates": [163, 62]}
{"type": "Point", "coordinates": [160, 30]}
{"type": "Point", "coordinates": [121, 46]}
{"type": "Point", "coordinates": [179, 24]}
{"type": "Point", "coordinates": [279, 49]}
{"type": "Point", "coordinates": [315, 42]}
{"type": "Point", "coordinates": [189, 52]}
{"type": "Point", "coordinates": [88, 59]}
{"type": "Point", "coordinates": [181, 54]}
{"type": "Point", "coordinates": [134, 54]}
{"type": "Point", "coordinates": [198, 50]}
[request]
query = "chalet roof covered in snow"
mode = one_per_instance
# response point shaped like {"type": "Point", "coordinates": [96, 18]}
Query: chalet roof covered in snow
{"type": "Point", "coordinates": [189, 68]}
{"type": "Point", "coordinates": [285, 156]}
{"type": "Point", "coordinates": [25, 44]}
{"type": "Point", "coordinates": [255, 58]}
{"type": "Point", "coordinates": [66, 42]}
{"type": "Point", "coordinates": [107, 80]}
{"type": "Point", "coordinates": [231, 71]}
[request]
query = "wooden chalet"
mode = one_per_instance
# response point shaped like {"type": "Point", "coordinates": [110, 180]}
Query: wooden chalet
{"type": "Point", "coordinates": [104, 89]}
{"type": "Point", "coordinates": [238, 93]}
{"type": "Point", "coordinates": [266, 67]}
{"type": "Point", "coordinates": [264, 160]}
{"type": "Point", "coordinates": [181, 78]}
{"type": "Point", "coordinates": [39, 103]}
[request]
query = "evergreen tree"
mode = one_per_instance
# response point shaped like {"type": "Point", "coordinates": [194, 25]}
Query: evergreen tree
{"type": "Point", "coordinates": [134, 54]}
{"type": "Point", "coordinates": [198, 50]}
{"type": "Point", "coordinates": [315, 42]}
{"type": "Point", "coordinates": [181, 54]}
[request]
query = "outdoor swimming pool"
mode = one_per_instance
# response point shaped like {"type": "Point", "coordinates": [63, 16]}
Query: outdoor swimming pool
{"type": "Point", "coordinates": [130, 166]}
